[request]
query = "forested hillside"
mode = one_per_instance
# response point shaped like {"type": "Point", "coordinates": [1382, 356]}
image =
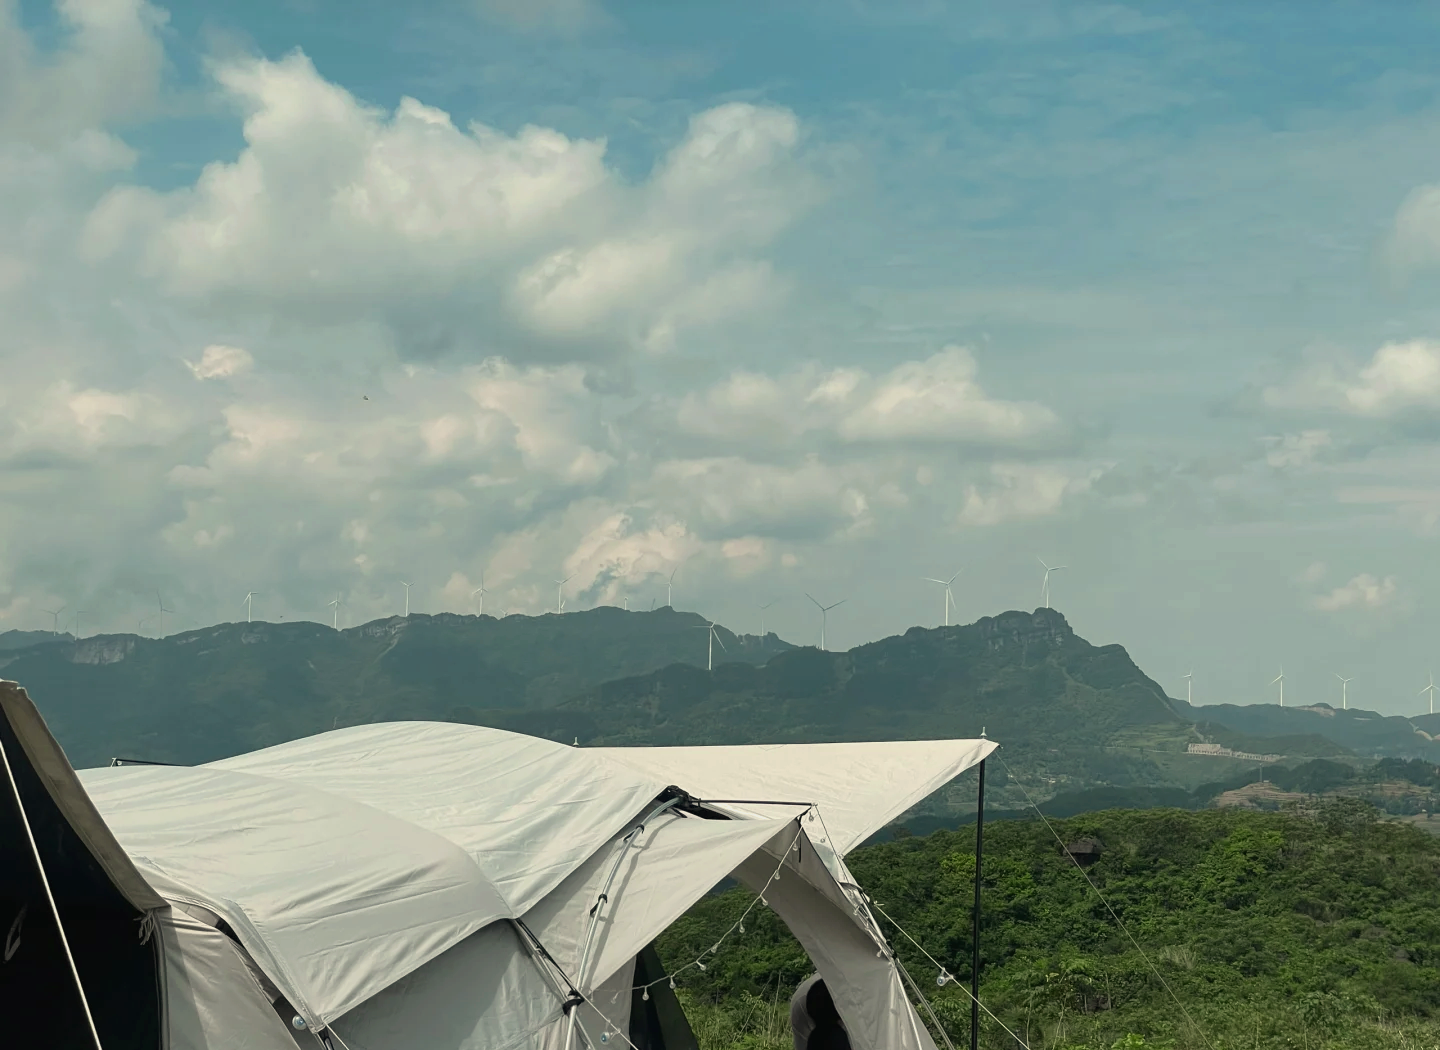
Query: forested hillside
{"type": "Point", "coordinates": [1270, 930]}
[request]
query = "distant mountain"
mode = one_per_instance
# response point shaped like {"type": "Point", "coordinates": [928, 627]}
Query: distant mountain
{"type": "Point", "coordinates": [25, 639]}
{"type": "Point", "coordinates": [1367, 733]}
{"type": "Point", "coordinates": [235, 687]}
{"type": "Point", "coordinates": [1024, 678]}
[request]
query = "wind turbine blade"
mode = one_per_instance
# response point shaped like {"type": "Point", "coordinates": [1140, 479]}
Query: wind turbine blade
{"type": "Point", "coordinates": [1042, 562]}
{"type": "Point", "coordinates": [817, 604]}
{"type": "Point", "coordinates": [931, 579]}
{"type": "Point", "coordinates": [721, 641]}
{"type": "Point", "coordinates": [841, 602]}
{"type": "Point", "coordinates": [952, 578]}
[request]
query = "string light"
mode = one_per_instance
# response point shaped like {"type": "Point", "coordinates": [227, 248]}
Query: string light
{"type": "Point", "coordinates": [737, 927]}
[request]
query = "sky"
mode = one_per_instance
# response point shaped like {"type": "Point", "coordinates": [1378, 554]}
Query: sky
{"type": "Point", "coordinates": [316, 299]}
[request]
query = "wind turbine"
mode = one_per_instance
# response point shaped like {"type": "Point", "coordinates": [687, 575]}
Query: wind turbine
{"type": "Point", "coordinates": [335, 623]}
{"type": "Point", "coordinates": [249, 595]}
{"type": "Point", "coordinates": [163, 611]}
{"type": "Point", "coordinates": [949, 598]}
{"type": "Point", "coordinates": [1045, 585]}
{"type": "Point", "coordinates": [714, 637]}
{"type": "Point", "coordinates": [824, 612]}
{"type": "Point", "coordinates": [1431, 690]}
{"type": "Point", "coordinates": [482, 592]}
{"type": "Point", "coordinates": [1187, 678]}
{"type": "Point", "coordinates": [1344, 691]}
{"type": "Point", "coordinates": [767, 605]}
{"type": "Point", "coordinates": [407, 587]}
{"type": "Point", "coordinates": [669, 586]}
{"type": "Point", "coordinates": [560, 592]}
{"type": "Point", "coordinates": [1281, 679]}
{"type": "Point", "coordinates": [626, 601]}
{"type": "Point", "coordinates": [55, 623]}
{"type": "Point", "coordinates": [78, 613]}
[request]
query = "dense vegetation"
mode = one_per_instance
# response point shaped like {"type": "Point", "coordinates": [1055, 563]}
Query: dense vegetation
{"type": "Point", "coordinates": [1270, 929]}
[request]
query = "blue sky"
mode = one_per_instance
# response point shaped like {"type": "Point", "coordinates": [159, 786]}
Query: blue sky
{"type": "Point", "coordinates": [858, 293]}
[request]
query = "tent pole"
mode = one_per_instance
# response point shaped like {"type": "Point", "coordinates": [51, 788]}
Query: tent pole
{"type": "Point", "coordinates": [975, 922]}
{"type": "Point", "coordinates": [49, 895]}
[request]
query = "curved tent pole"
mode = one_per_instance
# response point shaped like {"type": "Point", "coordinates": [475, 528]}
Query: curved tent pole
{"type": "Point", "coordinates": [50, 896]}
{"type": "Point", "coordinates": [604, 898]}
{"type": "Point", "coordinates": [564, 988]}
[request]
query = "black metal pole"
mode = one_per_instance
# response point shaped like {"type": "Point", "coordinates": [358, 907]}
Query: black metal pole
{"type": "Point", "coordinates": [975, 924]}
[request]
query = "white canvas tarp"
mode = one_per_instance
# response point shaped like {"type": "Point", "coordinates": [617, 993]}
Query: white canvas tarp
{"type": "Point", "coordinates": [862, 980]}
{"type": "Point", "coordinates": [859, 788]}
{"type": "Point", "coordinates": [669, 867]}
{"type": "Point", "coordinates": [486, 993]}
{"type": "Point", "coordinates": [526, 810]}
{"type": "Point", "coordinates": [333, 899]}
{"type": "Point", "coordinates": [370, 872]}
{"type": "Point", "coordinates": [211, 998]}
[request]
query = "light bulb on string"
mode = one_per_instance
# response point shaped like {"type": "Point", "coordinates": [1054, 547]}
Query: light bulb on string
{"type": "Point", "coordinates": [645, 995]}
{"type": "Point", "coordinates": [672, 984]}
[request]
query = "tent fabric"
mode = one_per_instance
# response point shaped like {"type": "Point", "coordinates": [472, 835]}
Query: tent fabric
{"type": "Point", "coordinates": [211, 998]}
{"type": "Point", "coordinates": [60, 781]}
{"type": "Point", "coordinates": [670, 866]}
{"type": "Point", "coordinates": [526, 810]}
{"type": "Point", "coordinates": [604, 1019]}
{"type": "Point", "coordinates": [369, 873]}
{"type": "Point", "coordinates": [862, 979]}
{"type": "Point", "coordinates": [858, 787]}
{"type": "Point", "coordinates": [333, 899]}
{"type": "Point", "coordinates": [486, 993]}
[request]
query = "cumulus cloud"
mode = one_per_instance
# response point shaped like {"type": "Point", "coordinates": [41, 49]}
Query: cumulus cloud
{"type": "Point", "coordinates": [1020, 491]}
{"type": "Point", "coordinates": [1414, 240]}
{"type": "Point", "coordinates": [335, 207]}
{"type": "Point", "coordinates": [1364, 592]}
{"type": "Point", "coordinates": [297, 453]}
{"type": "Point", "coordinates": [1400, 377]}
{"type": "Point", "coordinates": [221, 362]}
{"type": "Point", "coordinates": [938, 400]}
{"type": "Point", "coordinates": [107, 67]}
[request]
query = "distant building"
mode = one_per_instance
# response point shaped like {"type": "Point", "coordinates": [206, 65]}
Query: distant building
{"type": "Point", "coordinates": [1085, 852]}
{"type": "Point", "coordinates": [1225, 752]}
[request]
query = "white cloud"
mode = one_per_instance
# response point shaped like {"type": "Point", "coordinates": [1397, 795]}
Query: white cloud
{"type": "Point", "coordinates": [724, 495]}
{"type": "Point", "coordinates": [1296, 451]}
{"type": "Point", "coordinates": [335, 208]}
{"type": "Point", "coordinates": [933, 401]}
{"type": "Point", "coordinates": [1364, 591]}
{"type": "Point", "coordinates": [1314, 572]}
{"type": "Point", "coordinates": [1400, 377]}
{"type": "Point", "coordinates": [107, 68]}
{"type": "Point", "coordinates": [221, 362]}
{"type": "Point", "coordinates": [1414, 240]}
{"type": "Point", "coordinates": [1023, 491]}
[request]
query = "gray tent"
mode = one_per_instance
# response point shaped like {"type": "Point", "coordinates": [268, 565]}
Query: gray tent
{"type": "Point", "coordinates": [428, 886]}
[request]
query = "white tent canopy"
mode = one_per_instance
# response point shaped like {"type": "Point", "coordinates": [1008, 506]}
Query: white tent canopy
{"type": "Point", "coordinates": [418, 886]}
